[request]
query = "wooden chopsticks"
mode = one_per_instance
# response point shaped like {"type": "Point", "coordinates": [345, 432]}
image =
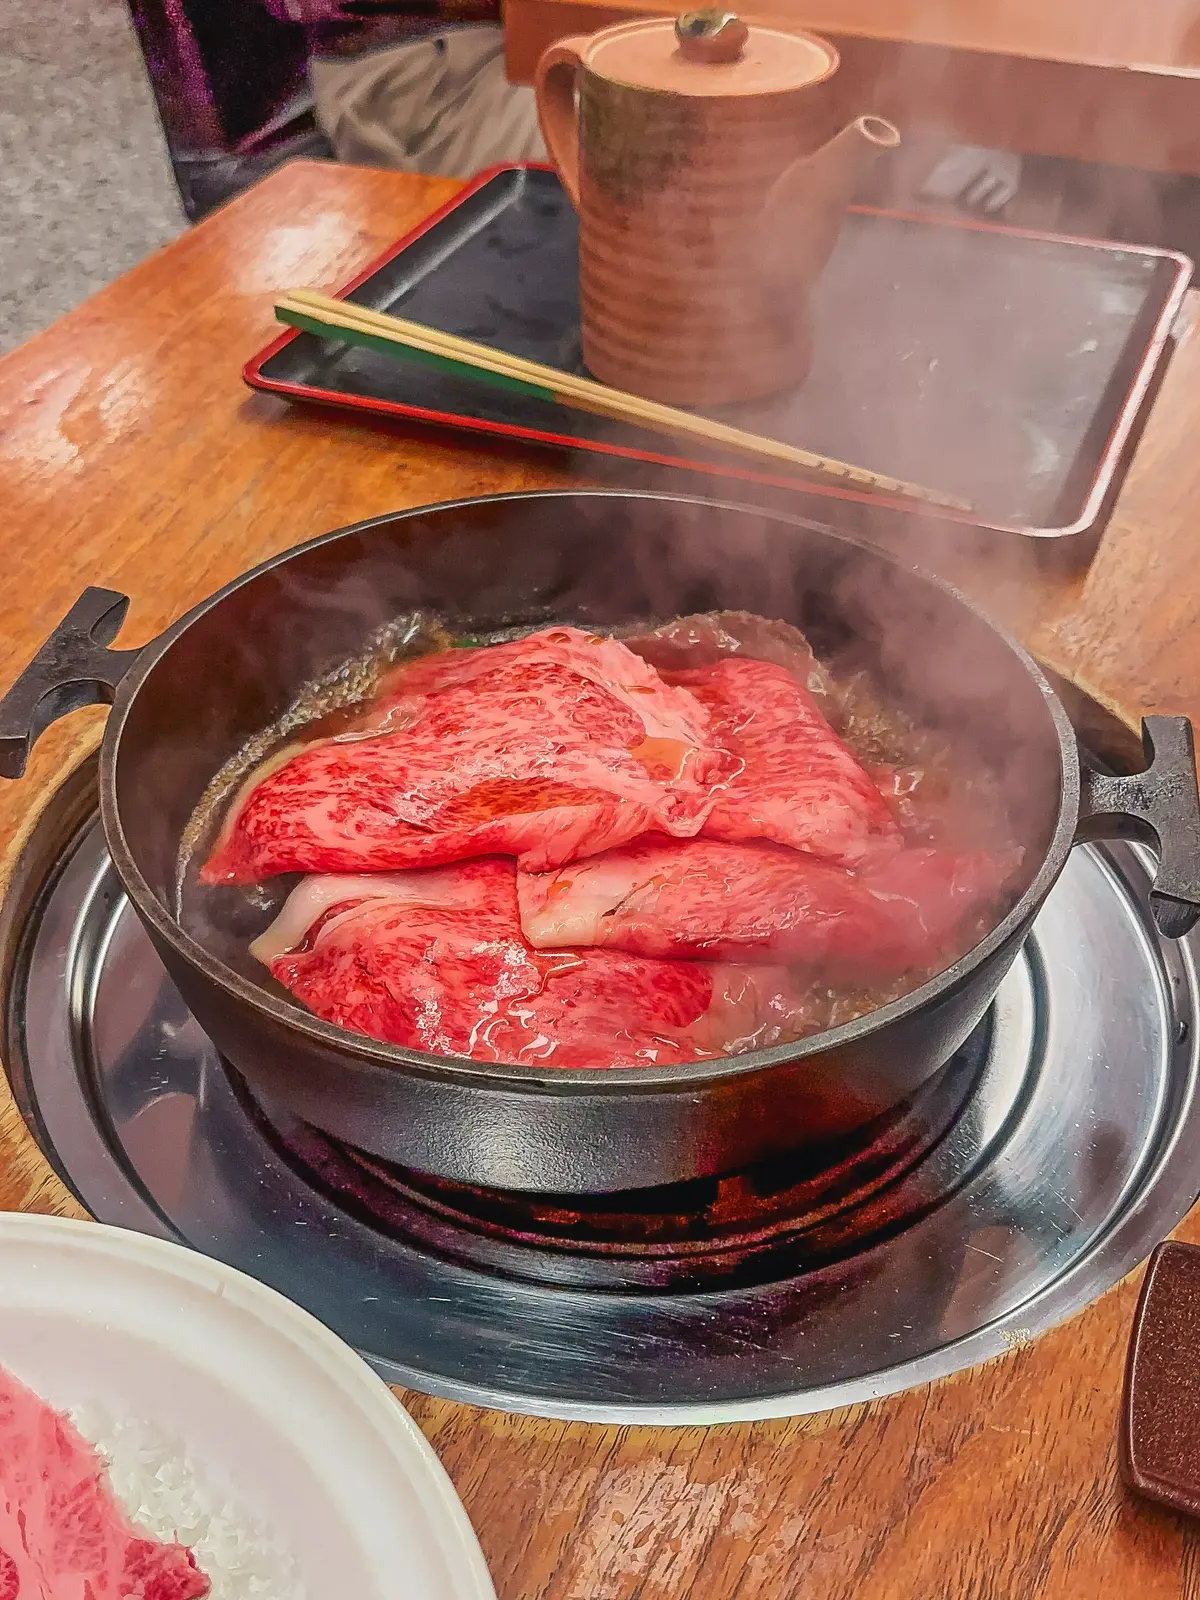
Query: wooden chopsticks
{"type": "Point", "coordinates": [343, 322]}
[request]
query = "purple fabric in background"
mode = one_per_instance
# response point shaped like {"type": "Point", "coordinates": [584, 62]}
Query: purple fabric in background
{"type": "Point", "coordinates": [230, 80]}
{"type": "Point", "coordinates": [345, 14]}
{"type": "Point", "coordinates": [343, 19]}
{"type": "Point", "coordinates": [311, 12]}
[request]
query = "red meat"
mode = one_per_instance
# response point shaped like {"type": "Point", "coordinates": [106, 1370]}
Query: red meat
{"type": "Point", "coordinates": [552, 747]}
{"type": "Point", "coordinates": [930, 798]}
{"type": "Point", "coordinates": [62, 1533]}
{"type": "Point", "coordinates": [435, 961]}
{"type": "Point", "coordinates": [703, 639]}
{"type": "Point", "coordinates": [798, 784]}
{"type": "Point", "coordinates": [708, 900]}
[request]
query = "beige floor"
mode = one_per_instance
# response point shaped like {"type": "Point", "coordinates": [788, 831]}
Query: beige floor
{"type": "Point", "coordinates": [85, 186]}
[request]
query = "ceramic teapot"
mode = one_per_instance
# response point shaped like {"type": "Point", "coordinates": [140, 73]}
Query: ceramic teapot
{"type": "Point", "coordinates": [708, 205]}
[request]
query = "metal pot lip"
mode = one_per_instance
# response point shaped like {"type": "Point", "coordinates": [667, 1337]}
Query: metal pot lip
{"type": "Point", "coordinates": [603, 1081]}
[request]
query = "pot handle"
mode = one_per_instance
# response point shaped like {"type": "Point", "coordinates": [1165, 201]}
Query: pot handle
{"type": "Point", "coordinates": [1159, 807]}
{"type": "Point", "coordinates": [555, 82]}
{"type": "Point", "coordinates": [72, 669]}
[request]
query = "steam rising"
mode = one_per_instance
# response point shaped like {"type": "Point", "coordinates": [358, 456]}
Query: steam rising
{"type": "Point", "coordinates": [907, 674]}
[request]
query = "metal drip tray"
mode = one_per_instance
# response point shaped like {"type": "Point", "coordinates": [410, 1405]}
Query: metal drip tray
{"type": "Point", "coordinates": [1072, 1155]}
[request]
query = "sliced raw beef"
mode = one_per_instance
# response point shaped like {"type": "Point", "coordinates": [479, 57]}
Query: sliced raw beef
{"type": "Point", "coordinates": [605, 662]}
{"type": "Point", "coordinates": [552, 747]}
{"type": "Point", "coordinates": [708, 900]}
{"type": "Point", "coordinates": [935, 798]}
{"type": "Point", "coordinates": [435, 961]}
{"type": "Point", "coordinates": [63, 1535]}
{"type": "Point", "coordinates": [798, 784]}
{"type": "Point", "coordinates": [708, 637]}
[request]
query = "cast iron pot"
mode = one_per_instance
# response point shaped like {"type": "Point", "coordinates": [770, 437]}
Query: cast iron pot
{"type": "Point", "coordinates": [189, 700]}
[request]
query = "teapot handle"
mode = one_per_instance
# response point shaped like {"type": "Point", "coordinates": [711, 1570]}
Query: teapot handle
{"type": "Point", "coordinates": [554, 86]}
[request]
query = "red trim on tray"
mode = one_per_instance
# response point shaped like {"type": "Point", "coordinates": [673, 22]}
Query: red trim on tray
{"type": "Point", "coordinates": [252, 375]}
{"type": "Point", "coordinates": [564, 441]}
{"type": "Point", "coordinates": [251, 372]}
{"type": "Point", "coordinates": [1130, 412]}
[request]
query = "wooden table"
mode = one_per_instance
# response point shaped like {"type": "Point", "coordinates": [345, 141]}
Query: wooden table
{"type": "Point", "coordinates": [1094, 80]}
{"type": "Point", "coordinates": [131, 455]}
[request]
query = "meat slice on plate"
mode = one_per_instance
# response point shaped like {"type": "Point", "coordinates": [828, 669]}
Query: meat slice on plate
{"type": "Point", "coordinates": [704, 899]}
{"type": "Point", "coordinates": [797, 783]}
{"type": "Point", "coordinates": [548, 748]}
{"type": "Point", "coordinates": [434, 960]}
{"type": "Point", "coordinates": [62, 1533]}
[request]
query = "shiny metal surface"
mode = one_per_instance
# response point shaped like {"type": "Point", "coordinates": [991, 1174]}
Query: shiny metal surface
{"type": "Point", "coordinates": [510, 561]}
{"type": "Point", "coordinates": [1075, 1155]}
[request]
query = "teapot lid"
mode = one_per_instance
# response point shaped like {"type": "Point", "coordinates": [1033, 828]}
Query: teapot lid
{"type": "Point", "coordinates": [709, 54]}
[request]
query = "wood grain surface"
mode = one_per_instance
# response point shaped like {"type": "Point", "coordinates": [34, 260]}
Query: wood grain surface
{"type": "Point", "coordinates": [132, 456]}
{"type": "Point", "coordinates": [1115, 82]}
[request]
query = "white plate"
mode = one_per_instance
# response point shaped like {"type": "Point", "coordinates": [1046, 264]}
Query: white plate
{"type": "Point", "coordinates": [278, 1414]}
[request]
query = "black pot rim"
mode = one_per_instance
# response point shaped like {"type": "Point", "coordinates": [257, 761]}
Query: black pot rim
{"type": "Point", "coordinates": [599, 1081]}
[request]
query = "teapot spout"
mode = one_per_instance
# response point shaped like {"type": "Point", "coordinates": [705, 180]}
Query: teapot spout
{"type": "Point", "coordinates": [809, 199]}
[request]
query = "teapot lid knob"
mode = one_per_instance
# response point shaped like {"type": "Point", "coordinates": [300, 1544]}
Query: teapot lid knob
{"type": "Point", "coordinates": [714, 36]}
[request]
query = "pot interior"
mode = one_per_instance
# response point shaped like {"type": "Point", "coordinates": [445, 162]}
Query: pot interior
{"type": "Point", "coordinates": [601, 560]}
